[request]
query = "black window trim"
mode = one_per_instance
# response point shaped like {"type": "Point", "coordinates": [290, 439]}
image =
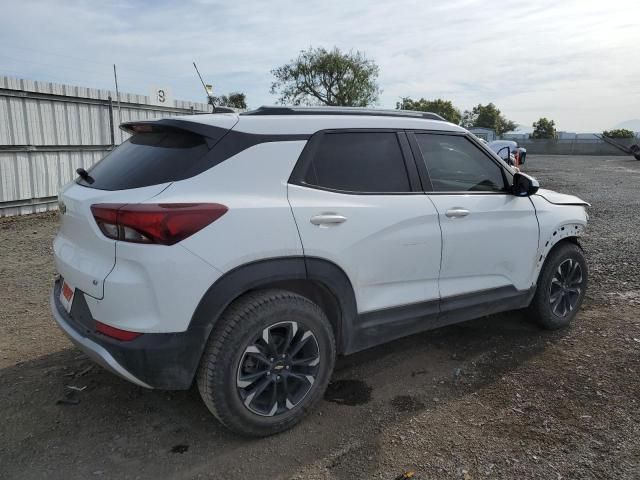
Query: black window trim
{"type": "Point", "coordinates": [424, 173]}
{"type": "Point", "coordinates": [229, 144]}
{"type": "Point", "coordinates": [310, 149]}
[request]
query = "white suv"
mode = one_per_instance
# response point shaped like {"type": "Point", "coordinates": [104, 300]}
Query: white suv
{"type": "Point", "coordinates": [246, 251]}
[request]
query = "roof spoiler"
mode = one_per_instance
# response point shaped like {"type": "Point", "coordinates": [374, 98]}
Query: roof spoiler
{"type": "Point", "coordinates": [211, 133]}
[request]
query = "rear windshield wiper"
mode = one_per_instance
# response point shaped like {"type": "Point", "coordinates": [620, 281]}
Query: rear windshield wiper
{"type": "Point", "coordinates": [85, 175]}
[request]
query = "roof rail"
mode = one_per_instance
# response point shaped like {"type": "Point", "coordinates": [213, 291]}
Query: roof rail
{"type": "Point", "coordinates": [217, 110]}
{"type": "Point", "coordinates": [376, 112]}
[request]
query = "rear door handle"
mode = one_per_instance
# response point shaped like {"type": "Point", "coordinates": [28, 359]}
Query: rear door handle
{"type": "Point", "coordinates": [328, 219]}
{"type": "Point", "coordinates": [457, 212]}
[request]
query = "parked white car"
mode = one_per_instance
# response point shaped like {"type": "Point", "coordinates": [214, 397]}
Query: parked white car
{"type": "Point", "coordinates": [244, 252]}
{"type": "Point", "coordinates": [506, 148]}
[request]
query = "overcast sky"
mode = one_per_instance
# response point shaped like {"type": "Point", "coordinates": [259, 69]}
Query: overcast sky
{"type": "Point", "coordinates": [576, 62]}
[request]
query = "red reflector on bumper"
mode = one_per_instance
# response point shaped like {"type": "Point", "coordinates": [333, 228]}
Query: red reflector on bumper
{"type": "Point", "coordinates": [67, 292]}
{"type": "Point", "coordinates": [116, 333]}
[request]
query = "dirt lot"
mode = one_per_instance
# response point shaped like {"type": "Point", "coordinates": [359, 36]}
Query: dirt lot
{"type": "Point", "coordinates": [491, 398]}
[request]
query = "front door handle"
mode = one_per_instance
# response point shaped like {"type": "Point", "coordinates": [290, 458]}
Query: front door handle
{"type": "Point", "coordinates": [328, 219]}
{"type": "Point", "coordinates": [457, 212]}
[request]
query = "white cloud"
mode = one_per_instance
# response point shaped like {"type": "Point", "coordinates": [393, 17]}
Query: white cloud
{"type": "Point", "coordinates": [572, 61]}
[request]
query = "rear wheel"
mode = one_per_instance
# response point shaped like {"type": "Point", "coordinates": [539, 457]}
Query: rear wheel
{"type": "Point", "coordinates": [267, 363]}
{"type": "Point", "coordinates": [561, 287]}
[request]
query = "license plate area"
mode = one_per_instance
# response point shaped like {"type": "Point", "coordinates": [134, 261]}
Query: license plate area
{"type": "Point", "coordinates": [67, 292]}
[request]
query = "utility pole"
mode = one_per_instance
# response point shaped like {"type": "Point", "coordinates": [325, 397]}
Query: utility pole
{"type": "Point", "coordinates": [115, 77]}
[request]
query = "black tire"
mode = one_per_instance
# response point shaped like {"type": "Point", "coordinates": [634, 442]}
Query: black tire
{"type": "Point", "coordinates": [238, 341]}
{"type": "Point", "coordinates": [558, 295]}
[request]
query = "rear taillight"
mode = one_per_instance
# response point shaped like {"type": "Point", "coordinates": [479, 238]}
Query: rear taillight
{"type": "Point", "coordinates": [113, 332]}
{"type": "Point", "coordinates": [161, 223]}
{"type": "Point", "coordinates": [106, 216]}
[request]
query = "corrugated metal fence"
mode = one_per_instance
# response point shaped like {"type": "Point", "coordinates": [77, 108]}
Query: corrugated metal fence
{"type": "Point", "coordinates": [580, 146]}
{"type": "Point", "coordinates": [47, 130]}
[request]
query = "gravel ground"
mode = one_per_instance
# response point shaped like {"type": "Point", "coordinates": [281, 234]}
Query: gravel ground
{"type": "Point", "coordinates": [491, 398]}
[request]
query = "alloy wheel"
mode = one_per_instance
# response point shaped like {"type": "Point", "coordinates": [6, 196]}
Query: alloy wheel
{"type": "Point", "coordinates": [566, 287]}
{"type": "Point", "coordinates": [278, 368]}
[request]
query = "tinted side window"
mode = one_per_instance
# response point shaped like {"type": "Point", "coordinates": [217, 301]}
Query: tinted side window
{"type": "Point", "coordinates": [457, 165]}
{"type": "Point", "coordinates": [148, 159]}
{"type": "Point", "coordinates": [359, 162]}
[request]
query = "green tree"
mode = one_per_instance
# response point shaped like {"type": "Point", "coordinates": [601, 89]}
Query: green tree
{"type": "Point", "coordinates": [544, 128]}
{"type": "Point", "coordinates": [619, 133]}
{"type": "Point", "coordinates": [321, 77]}
{"type": "Point", "coordinates": [233, 100]}
{"type": "Point", "coordinates": [444, 108]}
{"type": "Point", "coordinates": [487, 116]}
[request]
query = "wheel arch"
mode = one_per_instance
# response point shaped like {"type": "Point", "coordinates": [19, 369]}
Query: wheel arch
{"type": "Point", "coordinates": [569, 232]}
{"type": "Point", "coordinates": [319, 280]}
{"type": "Point", "coordinates": [568, 239]}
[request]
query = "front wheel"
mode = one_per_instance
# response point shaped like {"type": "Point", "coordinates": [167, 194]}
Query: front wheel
{"type": "Point", "coordinates": [561, 287]}
{"type": "Point", "coordinates": [267, 363]}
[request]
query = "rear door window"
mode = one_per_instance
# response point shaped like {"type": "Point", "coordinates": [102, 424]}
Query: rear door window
{"type": "Point", "coordinates": [457, 165]}
{"type": "Point", "coordinates": [149, 158]}
{"type": "Point", "coordinates": [359, 162]}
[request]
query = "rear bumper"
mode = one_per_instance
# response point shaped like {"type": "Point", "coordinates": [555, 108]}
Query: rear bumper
{"type": "Point", "coordinates": [153, 360]}
{"type": "Point", "coordinates": [96, 352]}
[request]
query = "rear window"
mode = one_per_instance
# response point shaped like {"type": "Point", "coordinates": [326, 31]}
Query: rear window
{"type": "Point", "coordinates": [363, 162]}
{"type": "Point", "coordinates": [148, 159]}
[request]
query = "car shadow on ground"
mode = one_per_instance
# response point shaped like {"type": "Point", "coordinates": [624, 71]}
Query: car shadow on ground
{"type": "Point", "coordinates": [103, 423]}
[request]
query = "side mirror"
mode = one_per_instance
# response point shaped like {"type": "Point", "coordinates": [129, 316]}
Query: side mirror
{"type": "Point", "coordinates": [524, 185]}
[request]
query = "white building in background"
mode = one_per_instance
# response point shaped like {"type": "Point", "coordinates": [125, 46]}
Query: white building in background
{"type": "Point", "coordinates": [587, 136]}
{"type": "Point", "coordinates": [566, 135]}
{"type": "Point", "coordinates": [487, 134]}
{"type": "Point", "coordinates": [578, 136]}
{"type": "Point", "coordinates": [515, 136]}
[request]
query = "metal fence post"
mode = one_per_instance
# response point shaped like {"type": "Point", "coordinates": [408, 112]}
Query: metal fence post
{"type": "Point", "coordinates": [111, 126]}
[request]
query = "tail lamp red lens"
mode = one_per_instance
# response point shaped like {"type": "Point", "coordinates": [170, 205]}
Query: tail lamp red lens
{"type": "Point", "coordinates": [160, 223]}
{"type": "Point", "coordinates": [113, 332]}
